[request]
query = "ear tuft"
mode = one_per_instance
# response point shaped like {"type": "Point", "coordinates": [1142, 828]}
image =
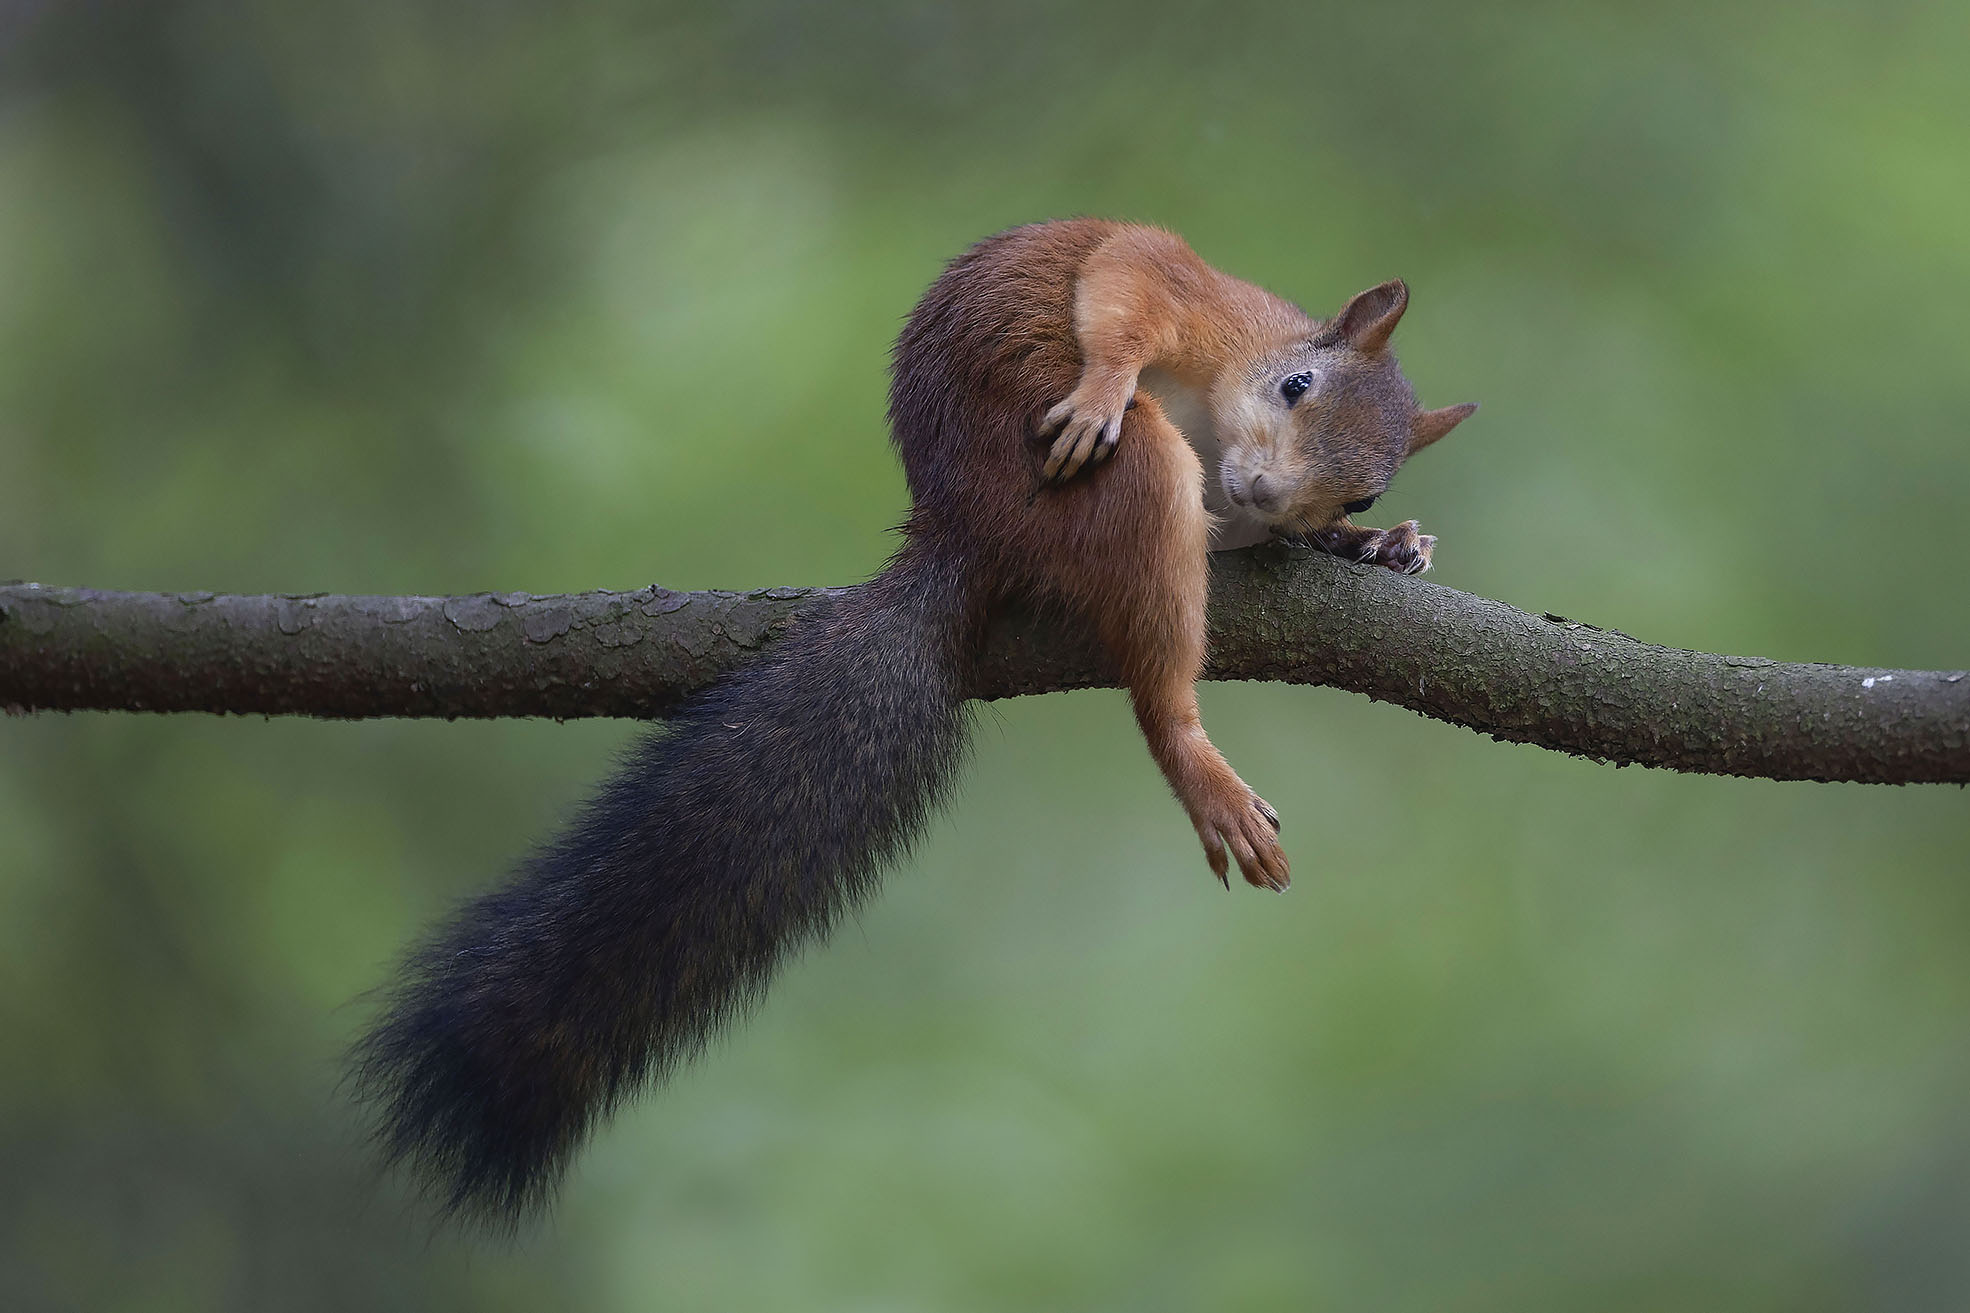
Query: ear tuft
{"type": "Point", "coordinates": [1368, 319]}
{"type": "Point", "coordinates": [1429, 425]}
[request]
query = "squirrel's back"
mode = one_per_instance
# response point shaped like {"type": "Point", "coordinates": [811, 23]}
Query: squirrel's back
{"type": "Point", "coordinates": [989, 347]}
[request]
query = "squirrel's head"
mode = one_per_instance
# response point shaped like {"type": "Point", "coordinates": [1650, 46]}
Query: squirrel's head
{"type": "Point", "coordinates": [1318, 428]}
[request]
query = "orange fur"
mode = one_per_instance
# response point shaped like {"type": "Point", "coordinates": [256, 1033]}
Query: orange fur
{"type": "Point", "coordinates": [1032, 453]}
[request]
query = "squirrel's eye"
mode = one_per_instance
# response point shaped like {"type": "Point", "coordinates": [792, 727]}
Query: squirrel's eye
{"type": "Point", "coordinates": [1295, 387]}
{"type": "Point", "coordinates": [1357, 507]}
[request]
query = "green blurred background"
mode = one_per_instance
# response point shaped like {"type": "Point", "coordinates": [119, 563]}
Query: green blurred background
{"type": "Point", "coordinates": [388, 296]}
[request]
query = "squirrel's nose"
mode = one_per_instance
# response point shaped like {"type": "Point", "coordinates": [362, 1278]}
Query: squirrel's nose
{"type": "Point", "coordinates": [1265, 493]}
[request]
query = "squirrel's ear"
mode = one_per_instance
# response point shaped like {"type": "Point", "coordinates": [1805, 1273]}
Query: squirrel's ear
{"type": "Point", "coordinates": [1371, 316]}
{"type": "Point", "coordinates": [1429, 425]}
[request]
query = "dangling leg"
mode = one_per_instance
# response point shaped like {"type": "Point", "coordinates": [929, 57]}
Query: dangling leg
{"type": "Point", "coordinates": [1228, 816]}
{"type": "Point", "coordinates": [1129, 545]}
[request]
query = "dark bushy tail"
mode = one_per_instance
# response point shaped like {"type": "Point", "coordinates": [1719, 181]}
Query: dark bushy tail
{"type": "Point", "coordinates": [743, 829]}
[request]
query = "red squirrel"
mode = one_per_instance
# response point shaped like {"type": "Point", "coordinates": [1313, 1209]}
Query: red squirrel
{"type": "Point", "coordinates": [1078, 406]}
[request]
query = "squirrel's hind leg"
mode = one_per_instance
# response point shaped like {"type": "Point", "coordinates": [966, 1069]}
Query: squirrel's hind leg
{"type": "Point", "coordinates": [1130, 548]}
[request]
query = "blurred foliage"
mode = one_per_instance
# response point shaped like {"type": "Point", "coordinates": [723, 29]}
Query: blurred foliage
{"type": "Point", "coordinates": [401, 296]}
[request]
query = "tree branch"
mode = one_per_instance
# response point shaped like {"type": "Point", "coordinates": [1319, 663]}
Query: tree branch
{"type": "Point", "coordinates": [1277, 613]}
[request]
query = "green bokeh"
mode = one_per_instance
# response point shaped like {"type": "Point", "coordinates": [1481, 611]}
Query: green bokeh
{"type": "Point", "coordinates": [394, 296]}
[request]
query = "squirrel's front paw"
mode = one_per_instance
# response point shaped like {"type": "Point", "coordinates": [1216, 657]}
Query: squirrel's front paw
{"type": "Point", "coordinates": [1085, 428]}
{"type": "Point", "coordinates": [1401, 549]}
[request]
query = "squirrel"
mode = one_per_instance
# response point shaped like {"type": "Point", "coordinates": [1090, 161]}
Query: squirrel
{"type": "Point", "coordinates": [1057, 397]}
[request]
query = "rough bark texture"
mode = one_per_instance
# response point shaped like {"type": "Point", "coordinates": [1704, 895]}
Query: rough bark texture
{"type": "Point", "coordinates": [1277, 614]}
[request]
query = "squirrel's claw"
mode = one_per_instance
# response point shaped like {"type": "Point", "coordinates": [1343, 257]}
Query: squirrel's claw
{"type": "Point", "coordinates": [1087, 434]}
{"type": "Point", "coordinates": [1249, 837]}
{"type": "Point", "coordinates": [1401, 549]}
{"type": "Point", "coordinates": [1405, 550]}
